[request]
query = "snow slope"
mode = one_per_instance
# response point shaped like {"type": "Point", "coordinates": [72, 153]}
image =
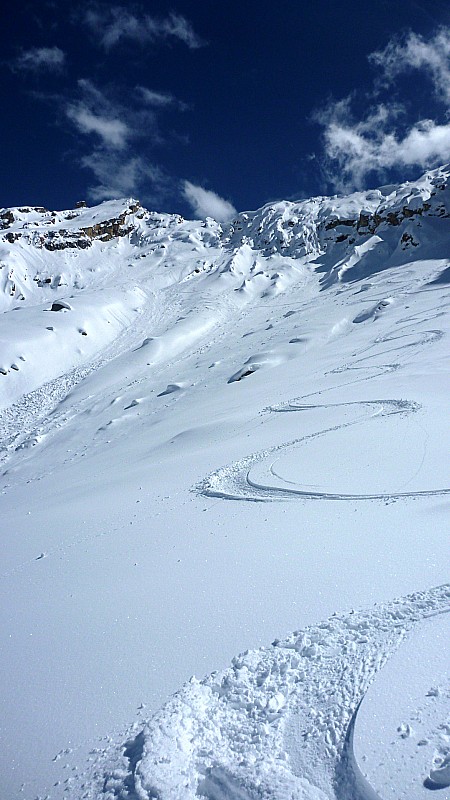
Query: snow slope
{"type": "Point", "coordinates": [212, 434]}
{"type": "Point", "coordinates": [402, 747]}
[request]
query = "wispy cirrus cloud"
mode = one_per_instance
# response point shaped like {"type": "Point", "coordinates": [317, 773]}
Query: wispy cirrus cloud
{"type": "Point", "coordinates": [119, 176]}
{"type": "Point", "coordinates": [388, 137]}
{"type": "Point", "coordinates": [94, 113]}
{"type": "Point", "coordinates": [116, 118]}
{"type": "Point", "coordinates": [160, 100]}
{"type": "Point", "coordinates": [372, 145]}
{"type": "Point", "coordinates": [117, 131]}
{"type": "Point", "coordinates": [39, 59]}
{"type": "Point", "coordinates": [118, 127]}
{"type": "Point", "coordinates": [414, 52]}
{"type": "Point", "coordinates": [118, 23]}
{"type": "Point", "coordinates": [112, 132]}
{"type": "Point", "coordinates": [206, 203]}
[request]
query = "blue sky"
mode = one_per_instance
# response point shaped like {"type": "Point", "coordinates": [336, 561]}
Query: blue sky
{"type": "Point", "coordinates": [201, 107]}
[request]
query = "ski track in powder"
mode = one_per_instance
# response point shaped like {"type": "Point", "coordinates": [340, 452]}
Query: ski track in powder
{"type": "Point", "coordinates": [234, 482]}
{"type": "Point", "coordinates": [276, 725]}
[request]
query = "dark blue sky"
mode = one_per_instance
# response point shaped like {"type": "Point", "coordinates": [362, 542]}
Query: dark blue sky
{"type": "Point", "coordinates": [252, 101]}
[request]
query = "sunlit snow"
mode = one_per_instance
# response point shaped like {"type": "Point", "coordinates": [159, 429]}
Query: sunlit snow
{"type": "Point", "coordinates": [214, 434]}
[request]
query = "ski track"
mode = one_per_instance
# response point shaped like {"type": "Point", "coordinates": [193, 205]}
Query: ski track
{"type": "Point", "coordinates": [289, 708]}
{"type": "Point", "coordinates": [233, 482]}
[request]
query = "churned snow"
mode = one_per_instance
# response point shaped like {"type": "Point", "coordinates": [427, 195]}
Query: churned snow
{"type": "Point", "coordinates": [213, 434]}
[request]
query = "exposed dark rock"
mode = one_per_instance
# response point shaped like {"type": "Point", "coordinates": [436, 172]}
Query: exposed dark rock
{"type": "Point", "coordinates": [60, 305]}
{"type": "Point", "coordinates": [393, 219]}
{"type": "Point", "coordinates": [334, 223]}
{"type": "Point", "coordinates": [12, 237]}
{"type": "Point", "coordinates": [7, 218]}
{"type": "Point", "coordinates": [62, 244]}
{"type": "Point", "coordinates": [407, 239]}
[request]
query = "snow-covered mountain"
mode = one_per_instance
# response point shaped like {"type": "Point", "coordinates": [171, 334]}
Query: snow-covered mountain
{"type": "Point", "coordinates": [156, 375]}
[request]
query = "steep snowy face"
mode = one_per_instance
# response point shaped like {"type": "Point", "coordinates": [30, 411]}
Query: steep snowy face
{"type": "Point", "coordinates": [71, 282]}
{"type": "Point", "coordinates": [97, 267]}
{"type": "Point", "coordinates": [312, 227]}
{"type": "Point", "coordinates": [43, 247]}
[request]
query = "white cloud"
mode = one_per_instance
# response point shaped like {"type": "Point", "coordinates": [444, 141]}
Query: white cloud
{"type": "Point", "coordinates": [91, 94]}
{"type": "Point", "coordinates": [117, 22]}
{"type": "Point", "coordinates": [206, 203]}
{"type": "Point", "coordinates": [40, 58]}
{"type": "Point", "coordinates": [159, 99]}
{"type": "Point", "coordinates": [119, 122]}
{"type": "Point", "coordinates": [178, 27]}
{"type": "Point", "coordinates": [384, 139]}
{"type": "Point", "coordinates": [117, 118]}
{"type": "Point", "coordinates": [415, 52]}
{"type": "Point", "coordinates": [113, 132]}
{"type": "Point", "coordinates": [97, 113]}
{"type": "Point", "coordinates": [155, 98]}
{"type": "Point", "coordinates": [358, 149]}
{"type": "Point", "coordinates": [117, 176]}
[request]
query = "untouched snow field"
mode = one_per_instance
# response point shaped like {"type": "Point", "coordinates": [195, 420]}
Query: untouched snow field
{"type": "Point", "coordinates": [213, 435]}
{"type": "Point", "coordinates": [402, 747]}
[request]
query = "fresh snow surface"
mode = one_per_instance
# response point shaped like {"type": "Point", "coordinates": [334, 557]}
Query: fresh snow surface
{"type": "Point", "coordinates": [401, 738]}
{"type": "Point", "coordinates": [212, 435]}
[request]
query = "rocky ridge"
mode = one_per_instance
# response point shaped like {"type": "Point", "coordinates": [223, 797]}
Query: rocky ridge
{"type": "Point", "coordinates": [321, 229]}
